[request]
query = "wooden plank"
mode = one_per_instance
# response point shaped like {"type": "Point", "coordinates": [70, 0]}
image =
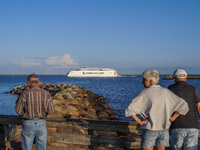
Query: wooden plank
{"type": "Point", "coordinates": [12, 145]}
{"type": "Point", "coordinates": [95, 140]}
{"type": "Point", "coordinates": [84, 124]}
{"type": "Point", "coordinates": [69, 139]}
{"type": "Point", "coordinates": [89, 121]}
{"type": "Point", "coordinates": [49, 147]}
{"type": "Point", "coordinates": [11, 119]}
{"type": "Point", "coordinates": [100, 125]}
{"type": "Point", "coordinates": [8, 119]}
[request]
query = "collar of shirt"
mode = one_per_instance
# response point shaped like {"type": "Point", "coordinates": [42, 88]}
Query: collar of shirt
{"type": "Point", "coordinates": [154, 86]}
{"type": "Point", "coordinates": [35, 87]}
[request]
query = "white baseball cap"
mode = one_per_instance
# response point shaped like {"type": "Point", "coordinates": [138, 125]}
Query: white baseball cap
{"type": "Point", "coordinates": [179, 73]}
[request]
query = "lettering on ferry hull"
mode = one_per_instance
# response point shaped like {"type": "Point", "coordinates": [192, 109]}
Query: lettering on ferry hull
{"type": "Point", "coordinates": [93, 72]}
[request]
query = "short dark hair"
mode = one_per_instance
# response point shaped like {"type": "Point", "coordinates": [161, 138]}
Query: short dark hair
{"type": "Point", "coordinates": [33, 78]}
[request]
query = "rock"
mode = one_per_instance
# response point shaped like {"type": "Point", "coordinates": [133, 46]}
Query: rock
{"type": "Point", "coordinates": [88, 114]}
{"type": "Point", "coordinates": [59, 96]}
{"type": "Point", "coordinates": [58, 102]}
{"type": "Point", "coordinates": [98, 107]}
{"type": "Point", "coordinates": [71, 110]}
{"type": "Point", "coordinates": [103, 115]}
{"type": "Point", "coordinates": [72, 102]}
{"type": "Point", "coordinates": [113, 117]}
{"type": "Point", "coordinates": [56, 114]}
{"type": "Point", "coordinates": [67, 110]}
{"type": "Point", "coordinates": [109, 111]}
{"type": "Point", "coordinates": [16, 133]}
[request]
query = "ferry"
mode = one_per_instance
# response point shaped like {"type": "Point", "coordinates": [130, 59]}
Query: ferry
{"type": "Point", "coordinates": [93, 72]}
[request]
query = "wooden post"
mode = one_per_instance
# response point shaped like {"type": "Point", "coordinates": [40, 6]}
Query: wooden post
{"type": "Point", "coordinates": [5, 131]}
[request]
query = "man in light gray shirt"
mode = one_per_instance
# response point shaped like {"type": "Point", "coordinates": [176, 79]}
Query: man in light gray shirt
{"type": "Point", "coordinates": [157, 106]}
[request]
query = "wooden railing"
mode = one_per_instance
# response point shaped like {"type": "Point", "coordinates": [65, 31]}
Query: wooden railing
{"type": "Point", "coordinates": [79, 134]}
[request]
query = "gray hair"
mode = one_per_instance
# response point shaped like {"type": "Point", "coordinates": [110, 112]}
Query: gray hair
{"type": "Point", "coordinates": [151, 75]}
{"type": "Point", "coordinates": [33, 78]}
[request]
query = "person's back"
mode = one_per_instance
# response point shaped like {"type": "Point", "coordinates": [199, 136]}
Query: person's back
{"type": "Point", "coordinates": [34, 105]}
{"type": "Point", "coordinates": [184, 130]}
{"type": "Point", "coordinates": [157, 104]}
{"type": "Point", "coordinates": [37, 100]}
{"type": "Point", "coordinates": [187, 92]}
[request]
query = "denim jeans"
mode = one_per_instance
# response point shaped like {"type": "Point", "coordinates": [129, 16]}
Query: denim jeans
{"type": "Point", "coordinates": [154, 138]}
{"type": "Point", "coordinates": [34, 129]}
{"type": "Point", "coordinates": [184, 139]}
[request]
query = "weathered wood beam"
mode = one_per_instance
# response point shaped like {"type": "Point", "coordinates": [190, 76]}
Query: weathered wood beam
{"type": "Point", "coordinates": [95, 140]}
{"type": "Point", "coordinates": [100, 125]}
{"type": "Point", "coordinates": [8, 119]}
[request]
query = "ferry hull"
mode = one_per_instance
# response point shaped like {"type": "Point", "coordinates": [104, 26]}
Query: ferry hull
{"type": "Point", "coordinates": [92, 74]}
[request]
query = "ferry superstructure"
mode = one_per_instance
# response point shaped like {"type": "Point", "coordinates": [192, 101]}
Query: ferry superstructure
{"type": "Point", "coordinates": [93, 72]}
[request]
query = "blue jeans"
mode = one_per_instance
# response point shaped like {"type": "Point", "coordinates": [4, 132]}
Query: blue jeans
{"type": "Point", "coordinates": [34, 129]}
{"type": "Point", "coordinates": [154, 138]}
{"type": "Point", "coordinates": [184, 139]}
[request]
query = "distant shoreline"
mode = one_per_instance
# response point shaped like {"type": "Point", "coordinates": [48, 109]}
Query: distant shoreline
{"type": "Point", "coordinates": [29, 74]}
{"type": "Point", "coordinates": [193, 76]}
{"type": "Point", "coordinates": [120, 75]}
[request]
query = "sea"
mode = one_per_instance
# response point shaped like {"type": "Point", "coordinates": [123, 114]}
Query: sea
{"type": "Point", "coordinates": [118, 91]}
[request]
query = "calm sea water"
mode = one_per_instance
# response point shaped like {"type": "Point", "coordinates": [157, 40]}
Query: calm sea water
{"type": "Point", "coordinates": [118, 91]}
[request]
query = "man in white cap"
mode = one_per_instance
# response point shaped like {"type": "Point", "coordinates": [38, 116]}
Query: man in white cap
{"type": "Point", "coordinates": [184, 135]}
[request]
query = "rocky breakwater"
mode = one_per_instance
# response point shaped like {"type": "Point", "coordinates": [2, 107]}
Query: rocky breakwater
{"type": "Point", "coordinates": [75, 102]}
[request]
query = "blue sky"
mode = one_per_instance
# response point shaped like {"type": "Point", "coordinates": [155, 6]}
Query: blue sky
{"type": "Point", "coordinates": [56, 36]}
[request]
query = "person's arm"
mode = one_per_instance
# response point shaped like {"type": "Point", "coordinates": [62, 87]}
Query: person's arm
{"type": "Point", "coordinates": [173, 117]}
{"type": "Point", "coordinates": [198, 108]}
{"type": "Point", "coordinates": [50, 105]}
{"type": "Point", "coordinates": [197, 98]}
{"type": "Point", "coordinates": [180, 106]}
{"type": "Point", "coordinates": [19, 106]}
{"type": "Point", "coordinates": [140, 122]}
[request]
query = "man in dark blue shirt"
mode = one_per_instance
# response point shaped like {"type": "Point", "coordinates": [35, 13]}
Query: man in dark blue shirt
{"type": "Point", "coordinates": [184, 135]}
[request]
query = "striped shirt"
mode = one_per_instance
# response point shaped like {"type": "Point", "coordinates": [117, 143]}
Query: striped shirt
{"type": "Point", "coordinates": [34, 103]}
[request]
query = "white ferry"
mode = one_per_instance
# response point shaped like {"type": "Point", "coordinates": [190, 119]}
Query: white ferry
{"type": "Point", "coordinates": [93, 72]}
